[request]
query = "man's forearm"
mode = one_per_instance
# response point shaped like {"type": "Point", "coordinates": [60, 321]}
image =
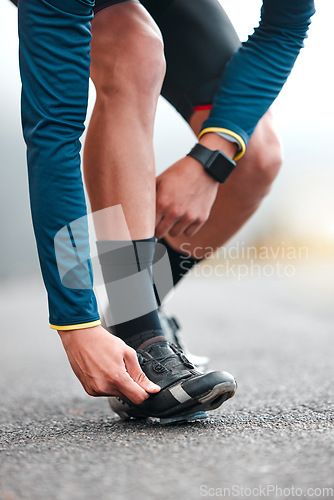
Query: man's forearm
{"type": "Point", "coordinates": [258, 70]}
{"type": "Point", "coordinates": [54, 65]}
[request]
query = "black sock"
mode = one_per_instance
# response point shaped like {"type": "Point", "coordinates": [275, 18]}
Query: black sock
{"type": "Point", "coordinates": [180, 264]}
{"type": "Point", "coordinates": [130, 292]}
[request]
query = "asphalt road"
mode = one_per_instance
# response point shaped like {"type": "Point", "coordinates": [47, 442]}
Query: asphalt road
{"type": "Point", "coordinates": [275, 335]}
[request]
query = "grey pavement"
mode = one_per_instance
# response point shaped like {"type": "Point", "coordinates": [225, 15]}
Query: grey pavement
{"type": "Point", "coordinates": [276, 335]}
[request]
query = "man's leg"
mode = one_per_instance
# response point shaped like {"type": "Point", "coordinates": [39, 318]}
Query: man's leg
{"type": "Point", "coordinates": [127, 68]}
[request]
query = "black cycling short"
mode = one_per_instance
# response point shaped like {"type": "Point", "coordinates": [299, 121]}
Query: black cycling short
{"type": "Point", "coordinates": [102, 4]}
{"type": "Point", "coordinates": [199, 39]}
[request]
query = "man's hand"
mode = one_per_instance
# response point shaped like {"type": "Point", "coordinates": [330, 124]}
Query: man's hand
{"type": "Point", "coordinates": [185, 195]}
{"type": "Point", "coordinates": [105, 365]}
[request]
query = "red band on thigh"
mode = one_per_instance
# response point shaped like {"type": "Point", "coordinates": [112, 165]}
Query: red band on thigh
{"type": "Point", "coordinates": [203, 107]}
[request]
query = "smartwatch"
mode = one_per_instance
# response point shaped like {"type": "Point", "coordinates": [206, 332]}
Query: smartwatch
{"type": "Point", "coordinates": [215, 163]}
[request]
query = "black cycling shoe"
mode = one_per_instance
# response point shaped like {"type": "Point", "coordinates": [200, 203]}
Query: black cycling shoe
{"type": "Point", "coordinates": [185, 391]}
{"type": "Point", "coordinates": [172, 332]}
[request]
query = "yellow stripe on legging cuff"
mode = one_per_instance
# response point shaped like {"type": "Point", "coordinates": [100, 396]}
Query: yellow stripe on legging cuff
{"type": "Point", "coordinates": [76, 327]}
{"type": "Point", "coordinates": [228, 132]}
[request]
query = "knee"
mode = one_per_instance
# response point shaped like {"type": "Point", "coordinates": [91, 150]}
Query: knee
{"type": "Point", "coordinates": [265, 158]}
{"type": "Point", "coordinates": [131, 63]}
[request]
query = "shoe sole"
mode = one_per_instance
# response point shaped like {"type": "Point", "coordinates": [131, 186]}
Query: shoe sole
{"type": "Point", "coordinates": [191, 417]}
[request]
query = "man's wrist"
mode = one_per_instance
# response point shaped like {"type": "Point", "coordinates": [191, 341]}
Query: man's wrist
{"type": "Point", "coordinates": [197, 170]}
{"type": "Point", "coordinates": [214, 141]}
{"type": "Point", "coordinates": [216, 164]}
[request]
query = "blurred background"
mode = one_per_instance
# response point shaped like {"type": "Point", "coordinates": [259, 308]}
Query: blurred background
{"type": "Point", "coordinates": [300, 208]}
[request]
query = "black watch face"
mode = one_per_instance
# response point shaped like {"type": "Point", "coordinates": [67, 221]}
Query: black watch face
{"type": "Point", "coordinates": [220, 167]}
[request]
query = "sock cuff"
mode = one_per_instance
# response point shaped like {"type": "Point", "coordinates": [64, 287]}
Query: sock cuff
{"type": "Point", "coordinates": [145, 337]}
{"type": "Point", "coordinates": [180, 263]}
{"type": "Point", "coordinates": [176, 253]}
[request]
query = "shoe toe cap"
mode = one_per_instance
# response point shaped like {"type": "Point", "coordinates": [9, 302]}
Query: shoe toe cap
{"type": "Point", "coordinates": [208, 382]}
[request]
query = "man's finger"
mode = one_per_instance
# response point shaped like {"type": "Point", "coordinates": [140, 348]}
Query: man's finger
{"type": "Point", "coordinates": [165, 226]}
{"type": "Point", "coordinates": [193, 229]}
{"type": "Point", "coordinates": [180, 227]}
{"type": "Point", "coordinates": [131, 389]}
{"type": "Point", "coordinates": [136, 373]}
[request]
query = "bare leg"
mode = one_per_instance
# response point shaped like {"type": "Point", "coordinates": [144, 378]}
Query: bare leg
{"type": "Point", "coordinates": [127, 68]}
{"type": "Point", "coordinates": [242, 194]}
